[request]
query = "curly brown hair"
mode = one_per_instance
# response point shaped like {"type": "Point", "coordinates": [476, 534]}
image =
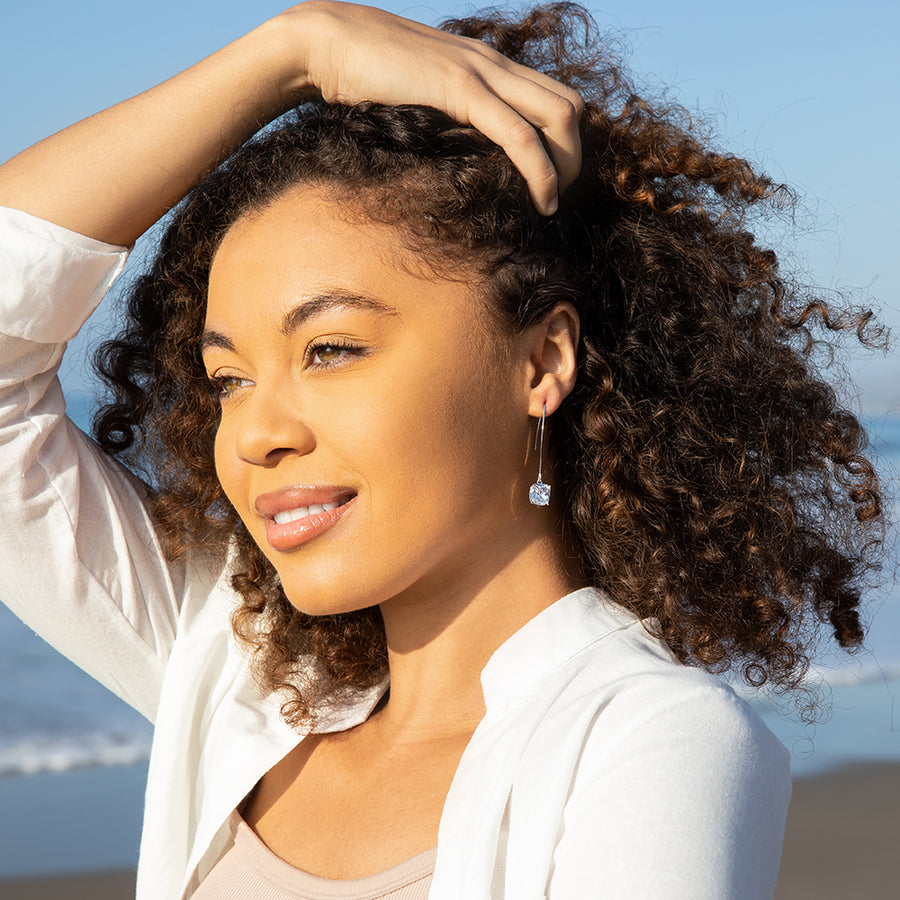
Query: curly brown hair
{"type": "Point", "coordinates": [712, 480]}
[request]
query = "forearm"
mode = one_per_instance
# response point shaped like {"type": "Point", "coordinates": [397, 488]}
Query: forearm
{"type": "Point", "coordinates": [111, 176]}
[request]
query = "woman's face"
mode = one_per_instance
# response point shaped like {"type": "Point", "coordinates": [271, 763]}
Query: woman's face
{"type": "Point", "coordinates": [373, 431]}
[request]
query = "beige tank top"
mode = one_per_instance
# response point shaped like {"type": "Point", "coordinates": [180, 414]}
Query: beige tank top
{"type": "Point", "coordinates": [249, 870]}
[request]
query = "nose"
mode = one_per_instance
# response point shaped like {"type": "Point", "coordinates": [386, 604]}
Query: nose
{"type": "Point", "coordinates": [269, 428]}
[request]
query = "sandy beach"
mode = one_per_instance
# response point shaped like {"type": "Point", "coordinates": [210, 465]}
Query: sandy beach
{"type": "Point", "coordinates": [843, 835]}
{"type": "Point", "coordinates": [101, 886]}
{"type": "Point", "coordinates": [841, 844]}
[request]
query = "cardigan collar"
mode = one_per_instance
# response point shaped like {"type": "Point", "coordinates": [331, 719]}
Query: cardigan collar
{"type": "Point", "coordinates": [519, 665]}
{"type": "Point", "coordinates": [549, 640]}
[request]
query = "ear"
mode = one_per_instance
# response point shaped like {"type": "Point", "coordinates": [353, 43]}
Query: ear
{"type": "Point", "coordinates": [552, 347]}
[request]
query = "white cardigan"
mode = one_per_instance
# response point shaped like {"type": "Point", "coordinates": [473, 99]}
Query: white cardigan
{"type": "Point", "coordinates": [602, 769]}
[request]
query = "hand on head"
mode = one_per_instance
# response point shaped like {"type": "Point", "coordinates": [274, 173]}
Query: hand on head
{"type": "Point", "coordinates": [360, 53]}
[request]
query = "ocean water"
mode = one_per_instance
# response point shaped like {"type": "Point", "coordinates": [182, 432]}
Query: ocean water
{"type": "Point", "coordinates": [55, 720]}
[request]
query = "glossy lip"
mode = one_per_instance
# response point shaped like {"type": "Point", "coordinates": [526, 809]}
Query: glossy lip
{"type": "Point", "coordinates": [294, 534]}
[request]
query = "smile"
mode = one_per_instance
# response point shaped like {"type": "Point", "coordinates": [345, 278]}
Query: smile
{"type": "Point", "coordinates": [295, 516]}
{"type": "Point", "coordinates": [301, 512]}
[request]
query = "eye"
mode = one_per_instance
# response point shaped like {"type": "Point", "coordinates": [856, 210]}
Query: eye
{"type": "Point", "coordinates": [226, 385]}
{"type": "Point", "coordinates": [331, 353]}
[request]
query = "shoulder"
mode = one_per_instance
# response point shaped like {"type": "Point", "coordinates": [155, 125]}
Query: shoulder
{"type": "Point", "coordinates": [643, 698]}
{"type": "Point", "coordinates": [591, 670]}
{"type": "Point", "coordinates": [675, 776]}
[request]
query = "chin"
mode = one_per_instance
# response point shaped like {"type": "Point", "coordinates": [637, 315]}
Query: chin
{"type": "Point", "coordinates": [311, 601]}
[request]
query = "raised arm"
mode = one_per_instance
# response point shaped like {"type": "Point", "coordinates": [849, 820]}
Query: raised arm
{"type": "Point", "coordinates": [111, 176]}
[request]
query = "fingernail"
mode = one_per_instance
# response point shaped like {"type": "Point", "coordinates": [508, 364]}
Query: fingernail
{"type": "Point", "coordinates": [551, 207]}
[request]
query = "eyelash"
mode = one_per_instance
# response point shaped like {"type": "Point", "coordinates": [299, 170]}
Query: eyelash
{"type": "Point", "coordinates": [217, 382]}
{"type": "Point", "coordinates": [217, 385]}
{"type": "Point", "coordinates": [332, 344]}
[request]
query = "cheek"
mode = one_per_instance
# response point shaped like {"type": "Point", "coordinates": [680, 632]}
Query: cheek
{"type": "Point", "coordinates": [448, 436]}
{"type": "Point", "coordinates": [228, 469]}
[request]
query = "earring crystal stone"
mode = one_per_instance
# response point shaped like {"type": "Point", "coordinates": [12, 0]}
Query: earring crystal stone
{"type": "Point", "coordinates": [539, 493]}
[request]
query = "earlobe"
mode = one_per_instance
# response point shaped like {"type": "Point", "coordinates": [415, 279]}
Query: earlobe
{"type": "Point", "coordinates": [553, 361]}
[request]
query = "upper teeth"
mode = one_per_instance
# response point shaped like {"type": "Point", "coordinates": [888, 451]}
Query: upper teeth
{"type": "Point", "coordinates": [301, 512]}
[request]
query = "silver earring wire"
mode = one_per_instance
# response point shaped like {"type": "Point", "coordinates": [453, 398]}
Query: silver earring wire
{"type": "Point", "coordinates": [539, 493]}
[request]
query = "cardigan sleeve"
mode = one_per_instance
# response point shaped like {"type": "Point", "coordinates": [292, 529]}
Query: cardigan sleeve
{"type": "Point", "coordinates": [79, 559]}
{"type": "Point", "coordinates": [690, 804]}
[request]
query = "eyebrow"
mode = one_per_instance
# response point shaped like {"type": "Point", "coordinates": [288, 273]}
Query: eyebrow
{"type": "Point", "coordinates": [303, 312]}
{"type": "Point", "coordinates": [321, 303]}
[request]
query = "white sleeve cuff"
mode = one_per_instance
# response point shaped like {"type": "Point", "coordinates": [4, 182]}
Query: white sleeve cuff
{"type": "Point", "coordinates": [51, 279]}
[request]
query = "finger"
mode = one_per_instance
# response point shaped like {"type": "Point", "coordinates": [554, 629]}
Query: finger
{"type": "Point", "coordinates": [557, 118]}
{"type": "Point", "coordinates": [552, 107]}
{"type": "Point", "coordinates": [499, 122]}
{"type": "Point", "coordinates": [491, 56]}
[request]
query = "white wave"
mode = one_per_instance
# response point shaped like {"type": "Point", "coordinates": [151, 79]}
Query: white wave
{"type": "Point", "coordinates": [36, 754]}
{"type": "Point", "coordinates": [846, 677]}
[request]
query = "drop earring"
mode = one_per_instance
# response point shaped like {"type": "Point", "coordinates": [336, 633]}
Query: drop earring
{"type": "Point", "coordinates": [539, 493]}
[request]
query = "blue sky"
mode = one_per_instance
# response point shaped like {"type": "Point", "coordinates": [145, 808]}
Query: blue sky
{"type": "Point", "coordinates": [807, 90]}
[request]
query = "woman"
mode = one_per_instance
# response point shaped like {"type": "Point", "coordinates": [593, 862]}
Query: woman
{"type": "Point", "coordinates": [469, 484]}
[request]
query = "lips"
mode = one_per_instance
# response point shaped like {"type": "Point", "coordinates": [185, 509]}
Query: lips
{"type": "Point", "coordinates": [296, 515]}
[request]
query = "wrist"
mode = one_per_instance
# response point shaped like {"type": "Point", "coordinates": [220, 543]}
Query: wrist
{"type": "Point", "coordinates": [293, 36]}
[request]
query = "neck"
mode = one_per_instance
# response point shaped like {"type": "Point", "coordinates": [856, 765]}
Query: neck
{"type": "Point", "coordinates": [440, 635]}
